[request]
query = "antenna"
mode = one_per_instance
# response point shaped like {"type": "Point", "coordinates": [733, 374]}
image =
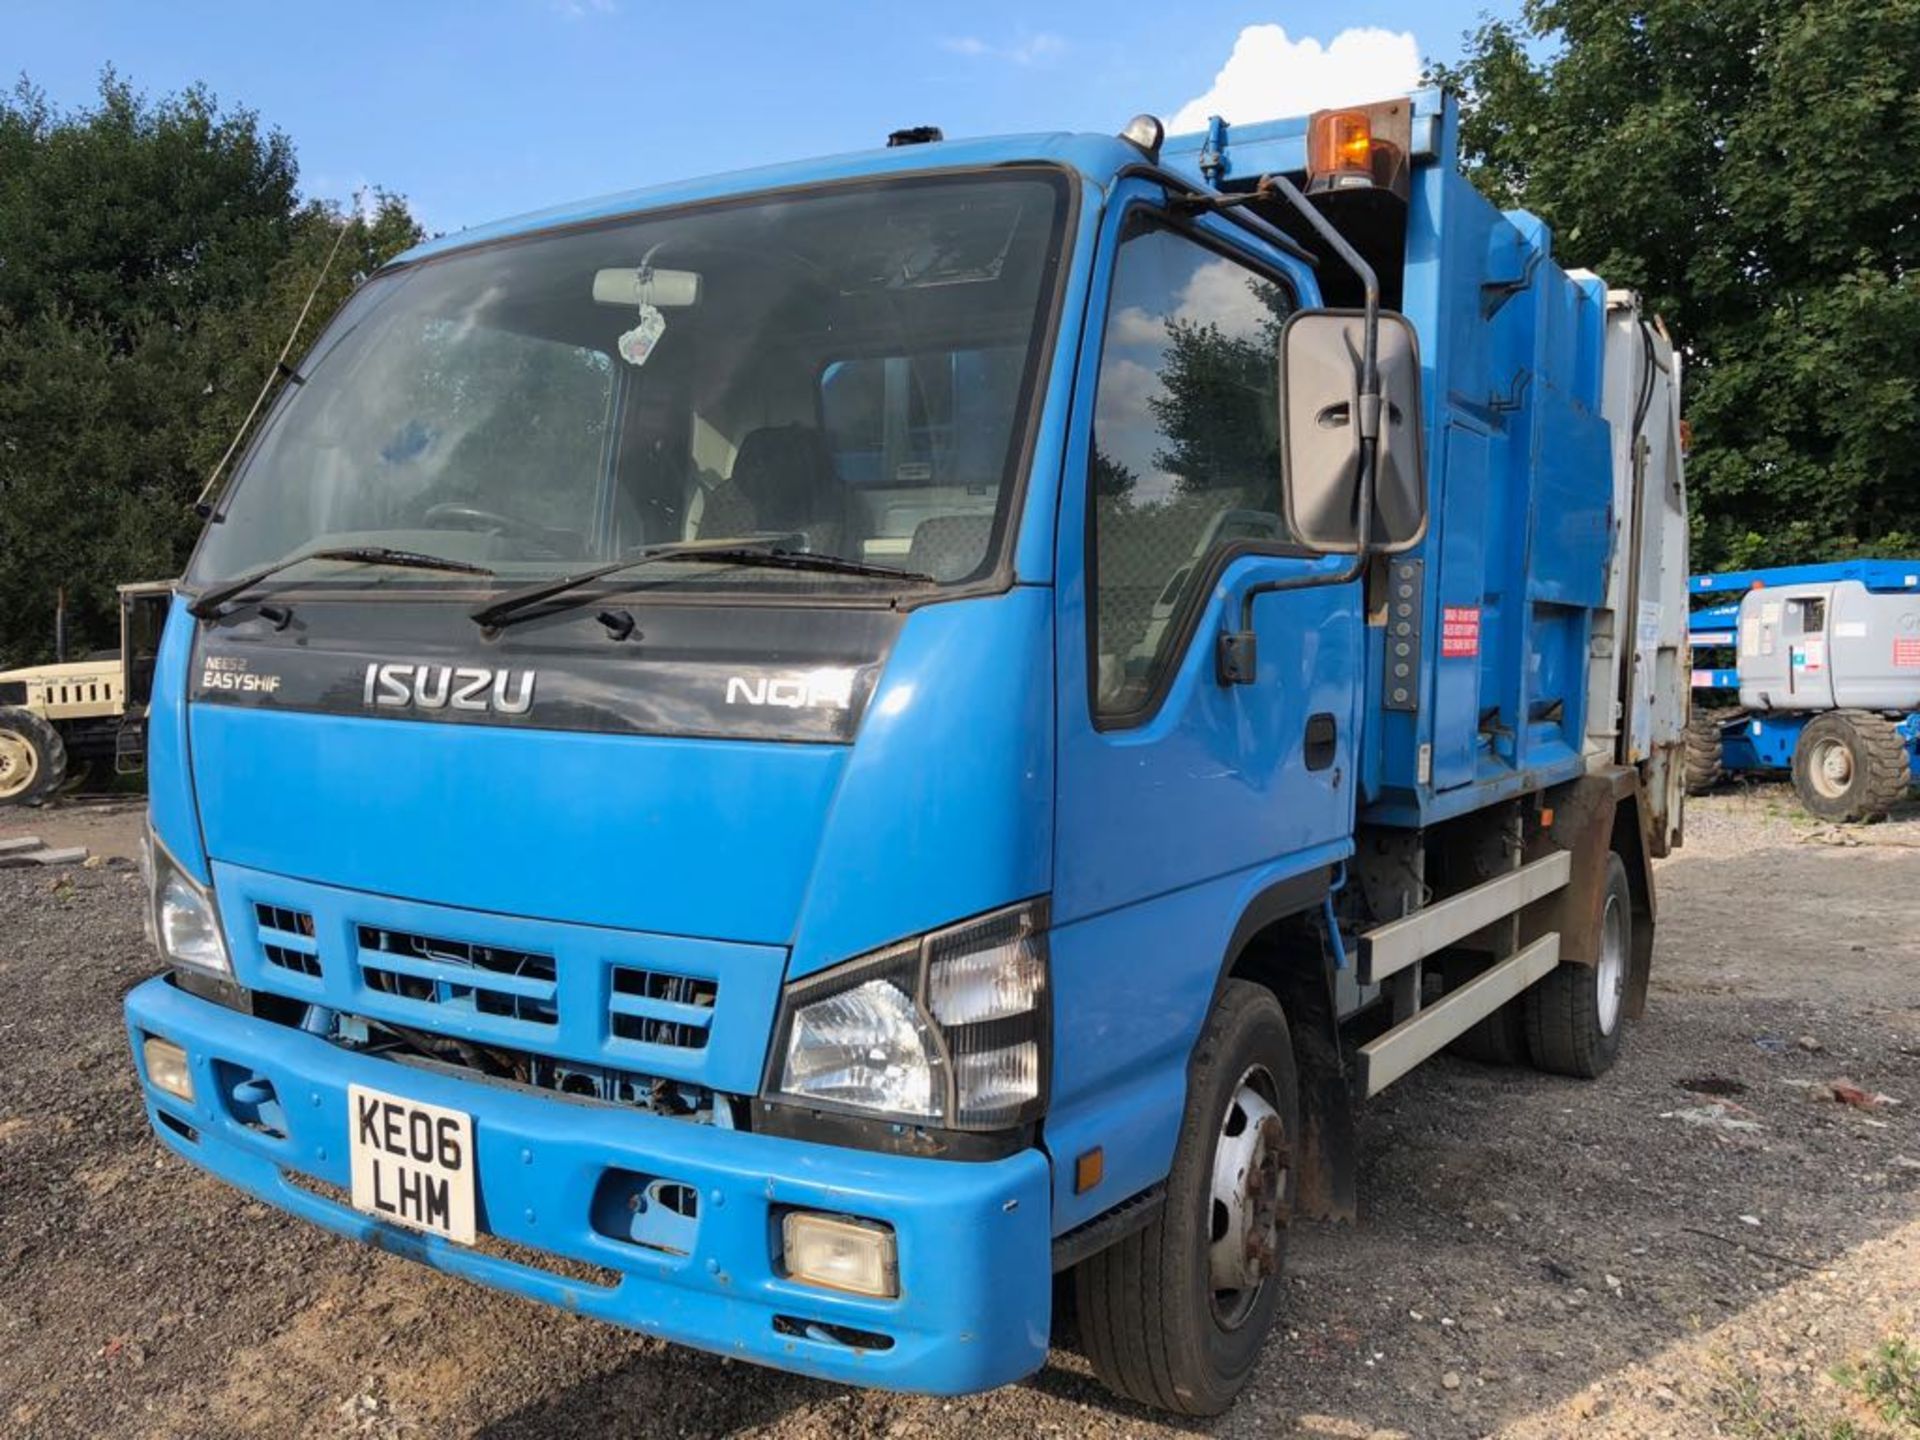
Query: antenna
{"type": "Point", "coordinates": [200, 505]}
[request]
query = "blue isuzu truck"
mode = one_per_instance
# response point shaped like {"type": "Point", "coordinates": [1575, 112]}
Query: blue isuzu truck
{"type": "Point", "coordinates": [784, 760]}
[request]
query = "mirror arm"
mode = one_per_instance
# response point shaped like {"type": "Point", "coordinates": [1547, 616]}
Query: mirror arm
{"type": "Point", "coordinates": [1237, 656]}
{"type": "Point", "coordinates": [1278, 186]}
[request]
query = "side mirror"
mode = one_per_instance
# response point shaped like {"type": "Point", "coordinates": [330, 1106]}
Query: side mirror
{"type": "Point", "coordinates": [1320, 360]}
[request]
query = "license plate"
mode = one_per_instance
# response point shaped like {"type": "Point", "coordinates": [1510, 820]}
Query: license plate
{"type": "Point", "coordinates": [412, 1163]}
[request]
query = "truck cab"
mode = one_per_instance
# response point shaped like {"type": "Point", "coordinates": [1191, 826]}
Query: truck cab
{"type": "Point", "coordinates": [777, 761]}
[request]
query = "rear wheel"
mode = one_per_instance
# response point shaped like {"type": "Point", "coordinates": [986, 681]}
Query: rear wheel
{"type": "Point", "coordinates": [1705, 768]}
{"type": "Point", "coordinates": [1850, 765]}
{"type": "Point", "coordinates": [1501, 1038]}
{"type": "Point", "coordinates": [33, 758]}
{"type": "Point", "coordinates": [1576, 1015]}
{"type": "Point", "coordinates": [1174, 1315]}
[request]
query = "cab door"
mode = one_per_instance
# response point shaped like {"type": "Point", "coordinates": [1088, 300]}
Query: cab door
{"type": "Point", "coordinates": [1167, 778]}
{"type": "Point", "coordinates": [1182, 804]}
{"type": "Point", "coordinates": [1809, 674]}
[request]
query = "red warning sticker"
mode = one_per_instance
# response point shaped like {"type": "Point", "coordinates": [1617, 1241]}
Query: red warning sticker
{"type": "Point", "coordinates": [1459, 631]}
{"type": "Point", "coordinates": [1906, 652]}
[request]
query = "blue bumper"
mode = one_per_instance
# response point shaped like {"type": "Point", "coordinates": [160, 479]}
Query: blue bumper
{"type": "Point", "coordinates": [973, 1239]}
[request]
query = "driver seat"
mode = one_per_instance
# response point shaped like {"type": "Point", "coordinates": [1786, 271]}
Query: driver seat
{"type": "Point", "coordinates": [783, 482]}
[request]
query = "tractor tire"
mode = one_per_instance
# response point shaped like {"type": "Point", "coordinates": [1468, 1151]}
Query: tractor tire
{"type": "Point", "coordinates": [1576, 1015]}
{"type": "Point", "coordinates": [1173, 1316]}
{"type": "Point", "coordinates": [1849, 766]}
{"type": "Point", "coordinates": [1705, 768]}
{"type": "Point", "coordinates": [33, 757]}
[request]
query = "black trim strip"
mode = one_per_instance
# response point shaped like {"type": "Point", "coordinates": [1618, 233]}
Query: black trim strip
{"type": "Point", "coordinates": [1130, 1215]}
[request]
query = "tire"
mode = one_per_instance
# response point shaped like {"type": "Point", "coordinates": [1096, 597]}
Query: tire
{"type": "Point", "coordinates": [1501, 1038]}
{"type": "Point", "coordinates": [1849, 766]}
{"type": "Point", "coordinates": [33, 758]}
{"type": "Point", "coordinates": [1152, 1322]}
{"type": "Point", "coordinates": [1704, 766]}
{"type": "Point", "coordinates": [1576, 1016]}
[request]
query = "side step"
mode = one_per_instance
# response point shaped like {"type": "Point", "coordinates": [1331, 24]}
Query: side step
{"type": "Point", "coordinates": [1386, 1059]}
{"type": "Point", "coordinates": [1399, 943]}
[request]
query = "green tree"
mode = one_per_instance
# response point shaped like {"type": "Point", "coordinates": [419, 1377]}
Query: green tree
{"type": "Point", "coordinates": [1753, 168]}
{"type": "Point", "coordinates": [153, 257]}
{"type": "Point", "coordinates": [1217, 405]}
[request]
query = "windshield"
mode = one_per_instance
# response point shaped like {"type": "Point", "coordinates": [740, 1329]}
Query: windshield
{"type": "Point", "coordinates": [845, 373]}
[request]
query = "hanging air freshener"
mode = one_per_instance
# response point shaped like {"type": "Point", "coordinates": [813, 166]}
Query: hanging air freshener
{"type": "Point", "coordinates": [636, 345]}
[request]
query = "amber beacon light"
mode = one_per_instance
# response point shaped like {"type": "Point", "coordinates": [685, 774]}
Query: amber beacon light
{"type": "Point", "coordinates": [1340, 149]}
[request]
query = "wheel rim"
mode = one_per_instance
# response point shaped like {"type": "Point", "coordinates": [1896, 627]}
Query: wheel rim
{"type": "Point", "coordinates": [1830, 768]}
{"type": "Point", "coordinates": [19, 763]}
{"type": "Point", "coordinates": [1610, 981]}
{"type": "Point", "coordinates": [1247, 1204]}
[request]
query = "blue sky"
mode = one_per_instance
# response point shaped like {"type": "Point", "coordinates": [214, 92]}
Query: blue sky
{"type": "Point", "coordinates": [494, 107]}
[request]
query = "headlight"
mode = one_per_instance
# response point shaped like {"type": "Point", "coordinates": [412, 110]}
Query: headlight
{"type": "Point", "coordinates": [946, 1030]}
{"type": "Point", "coordinates": [181, 919]}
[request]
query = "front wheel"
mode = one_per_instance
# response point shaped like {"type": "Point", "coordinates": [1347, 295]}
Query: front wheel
{"type": "Point", "coordinates": [33, 758]}
{"type": "Point", "coordinates": [1850, 765]}
{"type": "Point", "coordinates": [1173, 1316]}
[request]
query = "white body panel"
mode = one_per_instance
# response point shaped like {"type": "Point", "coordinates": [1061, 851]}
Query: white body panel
{"type": "Point", "coordinates": [1638, 689]}
{"type": "Point", "coordinates": [1830, 645]}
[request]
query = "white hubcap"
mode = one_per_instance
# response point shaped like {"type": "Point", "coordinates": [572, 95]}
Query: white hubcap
{"type": "Point", "coordinates": [19, 763]}
{"type": "Point", "coordinates": [1832, 769]}
{"type": "Point", "coordinates": [1249, 1187]}
{"type": "Point", "coordinates": [1611, 980]}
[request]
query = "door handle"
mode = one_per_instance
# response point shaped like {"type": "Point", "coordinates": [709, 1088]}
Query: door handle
{"type": "Point", "coordinates": [1323, 735]}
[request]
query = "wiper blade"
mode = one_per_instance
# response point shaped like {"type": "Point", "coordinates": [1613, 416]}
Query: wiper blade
{"type": "Point", "coordinates": [777, 559]}
{"type": "Point", "coordinates": [208, 602]}
{"type": "Point", "coordinates": [518, 604]}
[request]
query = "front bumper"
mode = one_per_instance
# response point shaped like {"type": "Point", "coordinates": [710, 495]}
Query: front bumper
{"type": "Point", "coordinates": [974, 1249]}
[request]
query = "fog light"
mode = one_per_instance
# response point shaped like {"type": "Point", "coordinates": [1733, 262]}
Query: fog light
{"type": "Point", "coordinates": [857, 1256]}
{"type": "Point", "coordinates": [167, 1067]}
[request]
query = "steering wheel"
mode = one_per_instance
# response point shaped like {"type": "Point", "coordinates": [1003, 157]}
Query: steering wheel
{"type": "Point", "coordinates": [471, 517]}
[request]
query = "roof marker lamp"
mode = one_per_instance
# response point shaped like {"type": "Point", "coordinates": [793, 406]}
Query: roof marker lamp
{"type": "Point", "coordinates": [949, 1029]}
{"type": "Point", "coordinates": [185, 926]}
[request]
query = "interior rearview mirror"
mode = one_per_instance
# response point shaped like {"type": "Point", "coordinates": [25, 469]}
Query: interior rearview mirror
{"type": "Point", "coordinates": [631, 286]}
{"type": "Point", "coordinates": [1320, 363]}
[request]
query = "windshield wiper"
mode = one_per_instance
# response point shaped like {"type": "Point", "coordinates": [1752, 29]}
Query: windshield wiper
{"type": "Point", "coordinates": [208, 602]}
{"type": "Point", "coordinates": [518, 604]}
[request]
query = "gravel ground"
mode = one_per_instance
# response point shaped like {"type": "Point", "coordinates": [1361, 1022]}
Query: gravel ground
{"type": "Point", "coordinates": [1536, 1256]}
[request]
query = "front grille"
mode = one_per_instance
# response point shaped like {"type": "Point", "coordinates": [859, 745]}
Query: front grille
{"type": "Point", "coordinates": [286, 940]}
{"type": "Point", "coordinates": [458, 976]}
{"type": "Point", "coordinates": [651, 1007]}
{"type": "Point", "coordinates": [596, 1011]}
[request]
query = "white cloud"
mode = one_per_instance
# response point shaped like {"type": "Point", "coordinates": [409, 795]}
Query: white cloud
{"type": "Point", "coordinates": [1270, 75]}
{"type": "Point", "coordinates": [1036, 48]}
{"type": "Point", "coordinates": [1028, 50]}
{"type": "Point", "coordinates": [1125, 388]}
{"type": "Point", "coordinates": [1132, 325]}
{"type": "Point", "coordinates": [581, 9]}
{"type": "Point", "coordinates": [1219, 294]}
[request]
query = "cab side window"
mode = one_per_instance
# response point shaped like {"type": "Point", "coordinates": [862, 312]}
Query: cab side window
{"type": "Point", "coordinates": [1186, 455]}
